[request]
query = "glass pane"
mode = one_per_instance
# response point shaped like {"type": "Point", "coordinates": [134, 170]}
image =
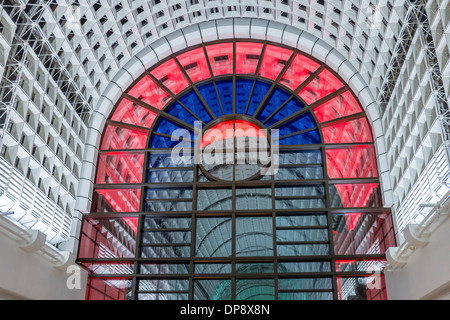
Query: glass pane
{"type": "Point", "coordinates": [274, 60]}
{"type": "Point", "coordinates": [277, 98]}
{"type": "Point", "coordinates": [170, 75]}
{"type": "Point", "coordinates": [254, 199]}
{"type": "Point", "coordinates": [165, 252]}
{"type": "Point", "coordinates": [351, 163]}
{"type": "Point", "coordinates": [181, 113]}
{"type": "Point", "coordinates": [162, 268]}
{"type": "Point", "coordinates": [156, 206]}
{"type": "Point", "coordinates": [255, 289]}
{"type": "Point", "coordinates": [166, 222]}
{"type": "Point", "coordinates": [247, 57]}
{"type": "Point", "coordinates": [303, 250]}
{"type": "Point", "coordinates": [258, 267]}
{"type": "Point", "coordinates": [109, 268]}
{"type": "Point", "coordinates": [364, 265]}
{"type": "Point", "coordinates": [195, 64]}
{"type": "Point", "coordinates": [156, 160]}
{"type": "Point", "coordinates": [168, 193]}
{"type": "Point", "coordinates": [353, 131]}
{"type": "Point", "coordinates": [289, 108]}
{"type": "Point", "coordinates": [299, 70]}
{"type": "Point", "coordinates": [219, 289]}
{"type": "Point", "coordinates": [292, 173]}
{"type": "Point", "coordinates": [310, 137]}
{"type": "Point", "coordinates": [108, 289]}
{"type": "Point", "coordinates": [116, 200]}
{"type": "Point", "coordinates": [362, 233]}
{"type": "Point", "coordinates": [214, 199]}
{"type": "Point", "coordinates": [149, 92]}
{"type": "Point", "coordinates": [299, 203]}
{"type": "Point", "coordinates": [301, 157]}
{"type": "Point", "coordinates": [321, 86]}
{"type": "Point", "coordinates": [120, 168]}
{"type": "Point", "coordinates": [254, 236]}
{"type": "Point", "coordinates": [132, 113]}
{"type": "Point", "coordinates": [209, 94]}
{"type": "Point", "coordinates": [302, 220]}
{"type": "Point", "coordinates": [221, 58]}
{"type": "Point", "coordinates": [259, 92]}
{"type": "Point", "coordinates": [304, 267]}
{"type": "Point", "coordinates": [116, 138]}
{"type": "Point", "coordinates": [362, 288]}
{"type": "Point", "coordinates": [225, 90]}
{"type": "Point", "coordinates": [192, 102]}
{"type": "Point", "coordinates": [98, 239]}
{"type": "Point", "coordinates": [213, 238]}
{"type": "Point", "coordinates": [166, 237]}
{"type": "Point", "coordinates": [305, 284]}
{"type": "Point", "coordinates": [173, 142]}
{"type": "Point", "coordinates": [163, 296]}
{"type": "Point", "coordinates": [243, 90]}
{"type": "Point", "coordinates": [163, 285]}
{"type": "Point", "coordinates": [170, 176]}
{"type": "Point", "coordinates": [305, 296]}
{"type": "Point", "coordinates": [340, 106]}
{"type": "Point", "coordinates": [352, 195]}
{"type": "Point", "coordinates": [302, 235]}
{"type": "Point", "coordinates": [303, 122]}
{"type": "Point", "coordinates": [203, 268]}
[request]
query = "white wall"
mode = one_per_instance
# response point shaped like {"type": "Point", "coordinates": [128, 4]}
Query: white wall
{"type": "Point", "coordinates": [427, 272]}
{"type": "Point", "coordinates": [26, 275]}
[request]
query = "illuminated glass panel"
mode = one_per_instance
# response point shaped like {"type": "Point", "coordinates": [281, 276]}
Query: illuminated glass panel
{"type": "Point", "coordinates": [195, 64]}
{"type": "Point", "coordinates": [114, 168]}
{"type": "Point", "coordinates": [299, 70]}
{"type": "Point", "coordinates": [209, 94]}
{"type": "Point", "coordinates": [221, 58]}
{"type": "Point", "coordinates": [259, 92]}
{"type": "Point", "coordinates": [322, 85]}
{"type": "Point", "coordinates": [150, 92]}
{"type": "Point", "coordinates": [170, 75]}
{"type": "Point", "coordinates": [357, 162]}
{"type": "Point", "coordinates": [225, 90]}
{"type": "Point", "coordinates": [276, 100]}
{"type": "Point", "coordinates": [273, 62]}
{"type": "Point", "coordinates": [248, 55]}
{"type": "Point", "coordinates": [243, 89]}
{"type": "Point", "coordinates": [116, 138]}
{"type": "Point", "coordinates": [131, 113]}
{"type": "Point", "coordinates": [338, 107]}
{"type": "Point", "coordinates": [193, 103]}
{"type": "Point", "coordinates": [352, 131]}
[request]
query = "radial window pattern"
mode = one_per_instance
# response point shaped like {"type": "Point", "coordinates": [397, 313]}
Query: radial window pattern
{"type": "Point", "coordinates": [165, 226]}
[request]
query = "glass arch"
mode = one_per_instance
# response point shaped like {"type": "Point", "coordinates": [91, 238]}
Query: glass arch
{"type": "Point", "coordinates": [161, 228]}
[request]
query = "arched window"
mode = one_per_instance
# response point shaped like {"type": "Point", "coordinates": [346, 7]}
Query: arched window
{"type": "Point", "coordinates": [289, 208]}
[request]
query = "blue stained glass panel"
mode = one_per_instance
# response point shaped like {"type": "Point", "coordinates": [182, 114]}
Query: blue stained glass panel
{"type": "Point", "coordinates": [310, 137]}
{"type": "Point", "coordinates": [225, 89]}
{"type": "Point", "coordinates": [289, 108]}
{"type": "Point", "coordinates": [181, 113]}
{"type": "Point", "coordinates": [192, 102]}
{"type": "Point", "coordinates": [259, 92]}
{"type": "Point", "coordinates": [243, 89]}
{"type": "Point", "coordinates": [276, 100]}
{"type": "Point", "coordinates": [208, 92]}
{"type": "Point", "coordinates": [166, 142]}
{"type": "Point", "coordinates": [303, 122]}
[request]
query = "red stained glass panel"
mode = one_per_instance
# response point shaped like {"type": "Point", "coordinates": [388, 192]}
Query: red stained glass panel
{"type": "Point", "coordinates": [116, 138]}
{"type": "Point", "coordinates": [299, 70]}
{"type": "Point", "coordinates": [130, 112]}
{"type": "Point", "coordinates": [340, 106]}
{"type": "Point", "coordinates": [221, 58]}
{"type": "Point", "coordinates": [355, 195]}
{"type": "Point", "coordinates": [116, 200]}
{"type": "Point", "coordinates": [358, 162]}
{"type": "Point", "coordinates": [321, 86]}
{"type": "Point", "coordinates": [150, 92]}
{"type": "Point", "coordinates": [195, 64]}
{"type": "Point", "coordinates": [171, 76]}
{"type": "Point", "coordinates": [353, 131]}
{"type": "Point", "coordinates": [120, 168]}
{"type": "Point", "coordinates": [274, 60]}
{"type": "Point", "coordinates": [247, 57]}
